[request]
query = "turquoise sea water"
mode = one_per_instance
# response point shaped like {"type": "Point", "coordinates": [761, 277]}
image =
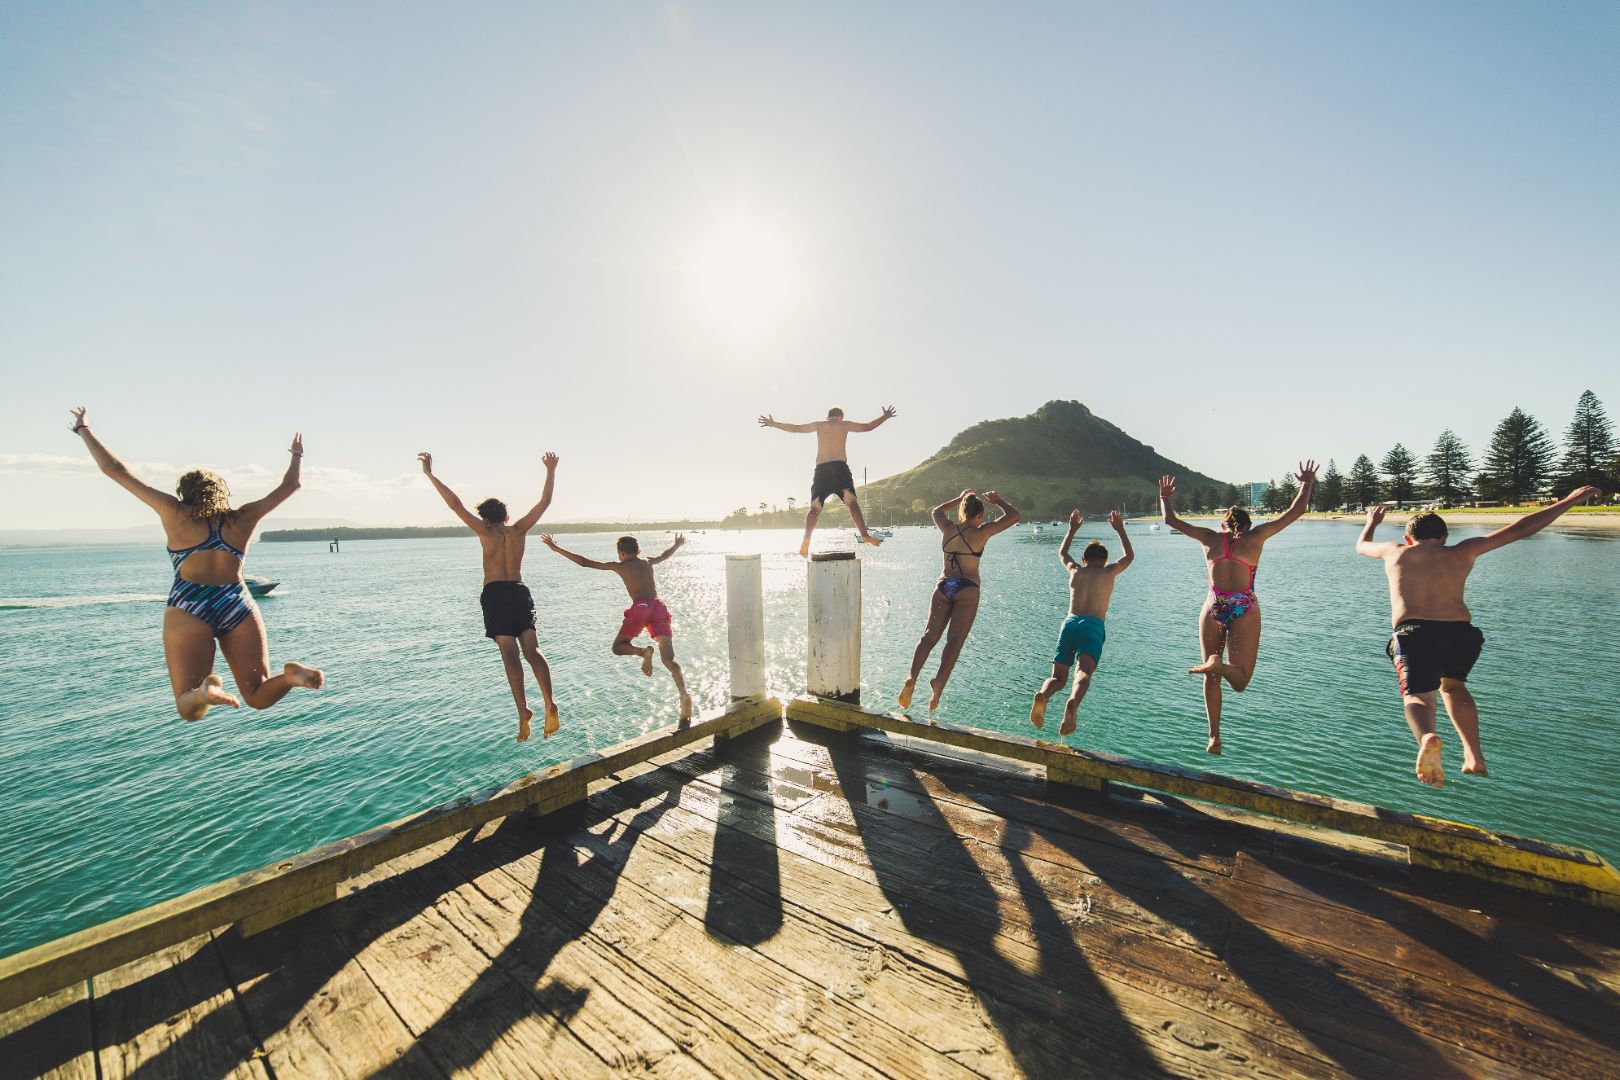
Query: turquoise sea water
{"type": "Point", "coordinates": [109, 803]}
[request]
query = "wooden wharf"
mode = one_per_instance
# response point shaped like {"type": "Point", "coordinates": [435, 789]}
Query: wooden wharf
{"type": "Point", "coordinates": [809, 888]}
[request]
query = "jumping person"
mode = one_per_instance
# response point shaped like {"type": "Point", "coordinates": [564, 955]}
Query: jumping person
{"type": "Point", "coordinates": [1434, 644]}
{"type": "Point", "coordinates": [646, 611]}
{"type": "Point", "coordinates": [832, 468]}
{"type": "Point", "coordinates": [955, 600]}
{"type": "Point", "coordinates": [1091, 586]}
{"type": "Point", "coordinates": [507, 603]}
{"type": "Point", "coordinates": [209, 602]}
{"type": "Point", "coordinates": [1229, 623]}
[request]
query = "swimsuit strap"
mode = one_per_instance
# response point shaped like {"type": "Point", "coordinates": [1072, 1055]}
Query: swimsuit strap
{"type": "Point", "coordinates": [1226, 554]}
{"type": "Point", "coordinates": [216, 542]}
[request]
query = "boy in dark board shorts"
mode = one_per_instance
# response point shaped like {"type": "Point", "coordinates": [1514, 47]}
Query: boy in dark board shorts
{"type": "Point", "coordinates": [1091, 587]}
{"type": "Point", "coordinates": [508, 606]}
{"type": "Point", "coordinates": [832, 475]}
{"type": "Point", "coordinates": [646, 611]}
{"type": "Point", "coordinates": [1435, 643]}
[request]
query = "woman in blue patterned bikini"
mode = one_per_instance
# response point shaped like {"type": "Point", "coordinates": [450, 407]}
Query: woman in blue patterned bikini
{"type": "Point", "coordinates": [1230, 620]}
{"type": "Point", "coordinates": [209, 601]}
{"type": "Point", "coordinates": [956, 596]}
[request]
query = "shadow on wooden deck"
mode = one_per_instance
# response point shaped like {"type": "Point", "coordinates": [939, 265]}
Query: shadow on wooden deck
{"type": "Point", "coordinates": [799, 903]}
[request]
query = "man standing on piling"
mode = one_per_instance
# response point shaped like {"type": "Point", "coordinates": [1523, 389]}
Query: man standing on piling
{"type": "Point", "coordinates": [507, 603]}
{"type": "Point", "coordinates": [1435, 643]}
{"type": "Point", "coordinates": [832, 468]}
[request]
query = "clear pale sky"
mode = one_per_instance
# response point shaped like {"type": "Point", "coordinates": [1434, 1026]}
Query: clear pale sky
{"type": "Point", "coordinates": [1244, 232]}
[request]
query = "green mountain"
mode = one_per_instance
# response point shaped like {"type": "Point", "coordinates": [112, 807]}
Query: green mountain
{"type": "Point", "coordinates": [1058, 457]}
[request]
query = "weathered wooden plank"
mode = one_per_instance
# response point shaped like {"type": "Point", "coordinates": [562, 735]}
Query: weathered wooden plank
{"type": "Point", "coordinates": [172, 1014]}
{"type": "Point", "coordinates": [55, 964]}
{"type": "Point", "coordinates": [1522, 862]}
{"type": "Point", "coordinates": [50, 1037]}
{"type": "Point", "coordinates": [313, 1009]}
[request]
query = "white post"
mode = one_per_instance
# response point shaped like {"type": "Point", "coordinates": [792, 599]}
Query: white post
{"type": "Point", "coordinates": [833, 667]}
{"type": "Point", "coordinates": [745, 625]}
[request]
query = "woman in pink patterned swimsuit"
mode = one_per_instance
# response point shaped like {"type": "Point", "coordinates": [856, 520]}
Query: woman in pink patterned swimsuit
{"type": "Point", "coordinates": [1229, 623]}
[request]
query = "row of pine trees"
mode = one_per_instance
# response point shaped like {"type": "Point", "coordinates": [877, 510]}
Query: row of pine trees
{"type": "Point", "coordinates": [1520, 464]}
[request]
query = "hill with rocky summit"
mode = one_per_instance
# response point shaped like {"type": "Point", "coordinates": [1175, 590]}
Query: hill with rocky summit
{"type": "Point", "coordinates": [1060, 456]}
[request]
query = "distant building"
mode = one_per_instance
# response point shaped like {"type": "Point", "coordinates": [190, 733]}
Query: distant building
{"type": "Point", "coordinates": [1256, 493]}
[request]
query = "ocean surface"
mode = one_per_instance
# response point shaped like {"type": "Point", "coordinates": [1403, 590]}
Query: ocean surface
{"type": "Point", "coordinates": [109, 803]}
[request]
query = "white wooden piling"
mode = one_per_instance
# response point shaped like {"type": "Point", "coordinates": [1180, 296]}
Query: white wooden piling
{"type": "Point", "coordinates": [833, 666]}
{"type": "Point", "coordinates": [745, 625]}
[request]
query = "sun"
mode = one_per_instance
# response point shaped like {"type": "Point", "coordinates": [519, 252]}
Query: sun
{"type": "Point", "coordinates": [745, 277]}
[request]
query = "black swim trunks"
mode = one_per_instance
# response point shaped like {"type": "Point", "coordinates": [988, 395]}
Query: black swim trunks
{"type": "Point", "coordinates": [508, 608]}
{"type": "Point", "coordinates": [1427, 650]}
{"type": "Point", "coordinates": [832, 478]}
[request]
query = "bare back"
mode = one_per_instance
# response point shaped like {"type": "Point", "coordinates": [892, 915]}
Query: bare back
{"type": "Point", "coordinates": [1091, 587]}
{"type": "Point", "coordinates": [1226, 553]}
{"type": "Point", "coordinates": [963, 546]}
{"type": "Point", "coordinates": [503, 552]}
{"type": "Point", "coordinates": [1426, 581]}
{"type": "Point", "coordinates": [831, 439]}
{"type": "Point", "coordinates": [183, 529]}
{"type": "Point", "coordinates": [637, 575]}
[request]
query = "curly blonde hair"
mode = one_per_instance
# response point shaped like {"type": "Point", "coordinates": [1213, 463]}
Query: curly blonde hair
{"type": "Point", "coordinates": [205, 493]}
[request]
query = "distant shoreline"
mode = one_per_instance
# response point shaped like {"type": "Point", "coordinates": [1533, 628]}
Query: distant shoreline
{"type": "Point", "coordinates": [1598, 519]}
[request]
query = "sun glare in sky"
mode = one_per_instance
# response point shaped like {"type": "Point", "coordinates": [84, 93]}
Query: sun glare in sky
{"type": "Point", "coordinates": [745, 277]}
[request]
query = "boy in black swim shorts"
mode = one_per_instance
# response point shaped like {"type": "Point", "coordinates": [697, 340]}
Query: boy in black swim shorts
{"type": "Point", "coordinates": [832, 470]}
{"type": "Point", "coordinates": [1435, 644]}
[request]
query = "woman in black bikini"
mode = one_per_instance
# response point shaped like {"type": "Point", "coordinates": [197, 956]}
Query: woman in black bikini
{"type": "Point", "coordinates": [956, 597]}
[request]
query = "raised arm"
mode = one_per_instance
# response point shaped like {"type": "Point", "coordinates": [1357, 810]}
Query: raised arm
{"type": "Point", "coordinates": [252, 513]}
{"type": "Point", "coordinates": [1529, 524]}
{"type": "Point", "coordinates": [767, 421]}
{"type": "Point", "coordinates": [888, 411]}
{"type": "Point", "coordinates": [1009, 515]}
{"type": "Point", "coordinates": [1302, 502]}
{"type": "Point", "coordinates": [941, 513]}
{"type": "Point", "coordinates": [1365, 545]}
{"type": "Point", "coordinates": [1117, 520]}
{"type": "Point", "coordinates": [117, 470]}
{"type": "Point", "coordinates": [532, 518]}
{"type": "Point", "coordinates": [680, 538]}
{"type": "Point", "coordinates": [589, 564]}
{"type": "Point", "coordinates": [1068, 538]}
{"type": "Point", "coordinates": [451, 499]}
{"type": "Point", "coordinates": [1167, 491]}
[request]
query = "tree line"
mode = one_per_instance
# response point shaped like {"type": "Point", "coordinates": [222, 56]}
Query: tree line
{"type": "Point", "coordinates": [1521, 464]}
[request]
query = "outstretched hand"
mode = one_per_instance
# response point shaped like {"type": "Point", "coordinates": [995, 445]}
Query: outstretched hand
{"type": "Point", "coordinates": [767, 421]}
{"type": "Point", "coordinates": [1117, 520]}
{"type": "Point", "coordinates": [1375, 514]}
{"type": "Point", "coordinates": [1075, 519]}
{"type": "Point", "coordinates": [1590, 491]}
{"type": "Point", "coordinates": [1167, 486]}
{"type": "Point", "coordinates": [549, 460]}
{"type": "Point", "coordinates": [79, 420]}
{"type": "Point", "coordinates": [545, 538]}
{"type": "Point", "coordinates": [297, 447]}
{"type": "Point", "coordinates": [680, 538]}
{"type": "Point", "coordinates": [888, 411]}
{"type": "Point", "coordinates": [427, 462]}
{"type": "Point", "coordinates": [1307, 472]}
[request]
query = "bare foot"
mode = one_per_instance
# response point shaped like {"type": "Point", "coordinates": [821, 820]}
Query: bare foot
{"type": "Point", "coordinates": [1430, 769]}
{"type": "Point", "coordinates": [874, 541]}
{"type": "Point", "coordinates": [804, 549]}
{"type": "Point", "coordinates": [1211, 666]}
{"type": "Point", "coordinates": [909, 688]}
{"type": "Point", "coordinates": [938, 688]}
{"type": "Point", "coordinates": [299, 675]}
{"type": "Point", "coordinates": [1037, 711]}
{"type": "Point", "coordinates": [524, 716]}
{"type": "Point", "coordinates": [1071, 717]}
{"type": "Point", "coordinates": [686, 707]}
{"type": "Point", "coordinates": [1214, 746]}
{"type": "Point", "coordinates": [1474, 766]}
{"type": "Point", "coordinates": [211, 691]}
{"type": "Point", "coordinates": [553, 722]}
{"type": "Point", "coordinates": [646, 661]}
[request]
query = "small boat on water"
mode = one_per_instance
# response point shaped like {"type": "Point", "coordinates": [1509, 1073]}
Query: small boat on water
{"type": "Point", "coordinates": [258, 586]}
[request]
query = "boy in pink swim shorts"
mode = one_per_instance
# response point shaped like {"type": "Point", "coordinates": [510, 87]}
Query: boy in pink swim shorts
{"type": "Point", "coordinates": [646, 611]}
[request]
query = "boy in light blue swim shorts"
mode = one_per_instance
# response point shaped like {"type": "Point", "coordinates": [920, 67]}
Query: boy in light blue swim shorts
{"type": "Point", "coordinates": [1091, 587]}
